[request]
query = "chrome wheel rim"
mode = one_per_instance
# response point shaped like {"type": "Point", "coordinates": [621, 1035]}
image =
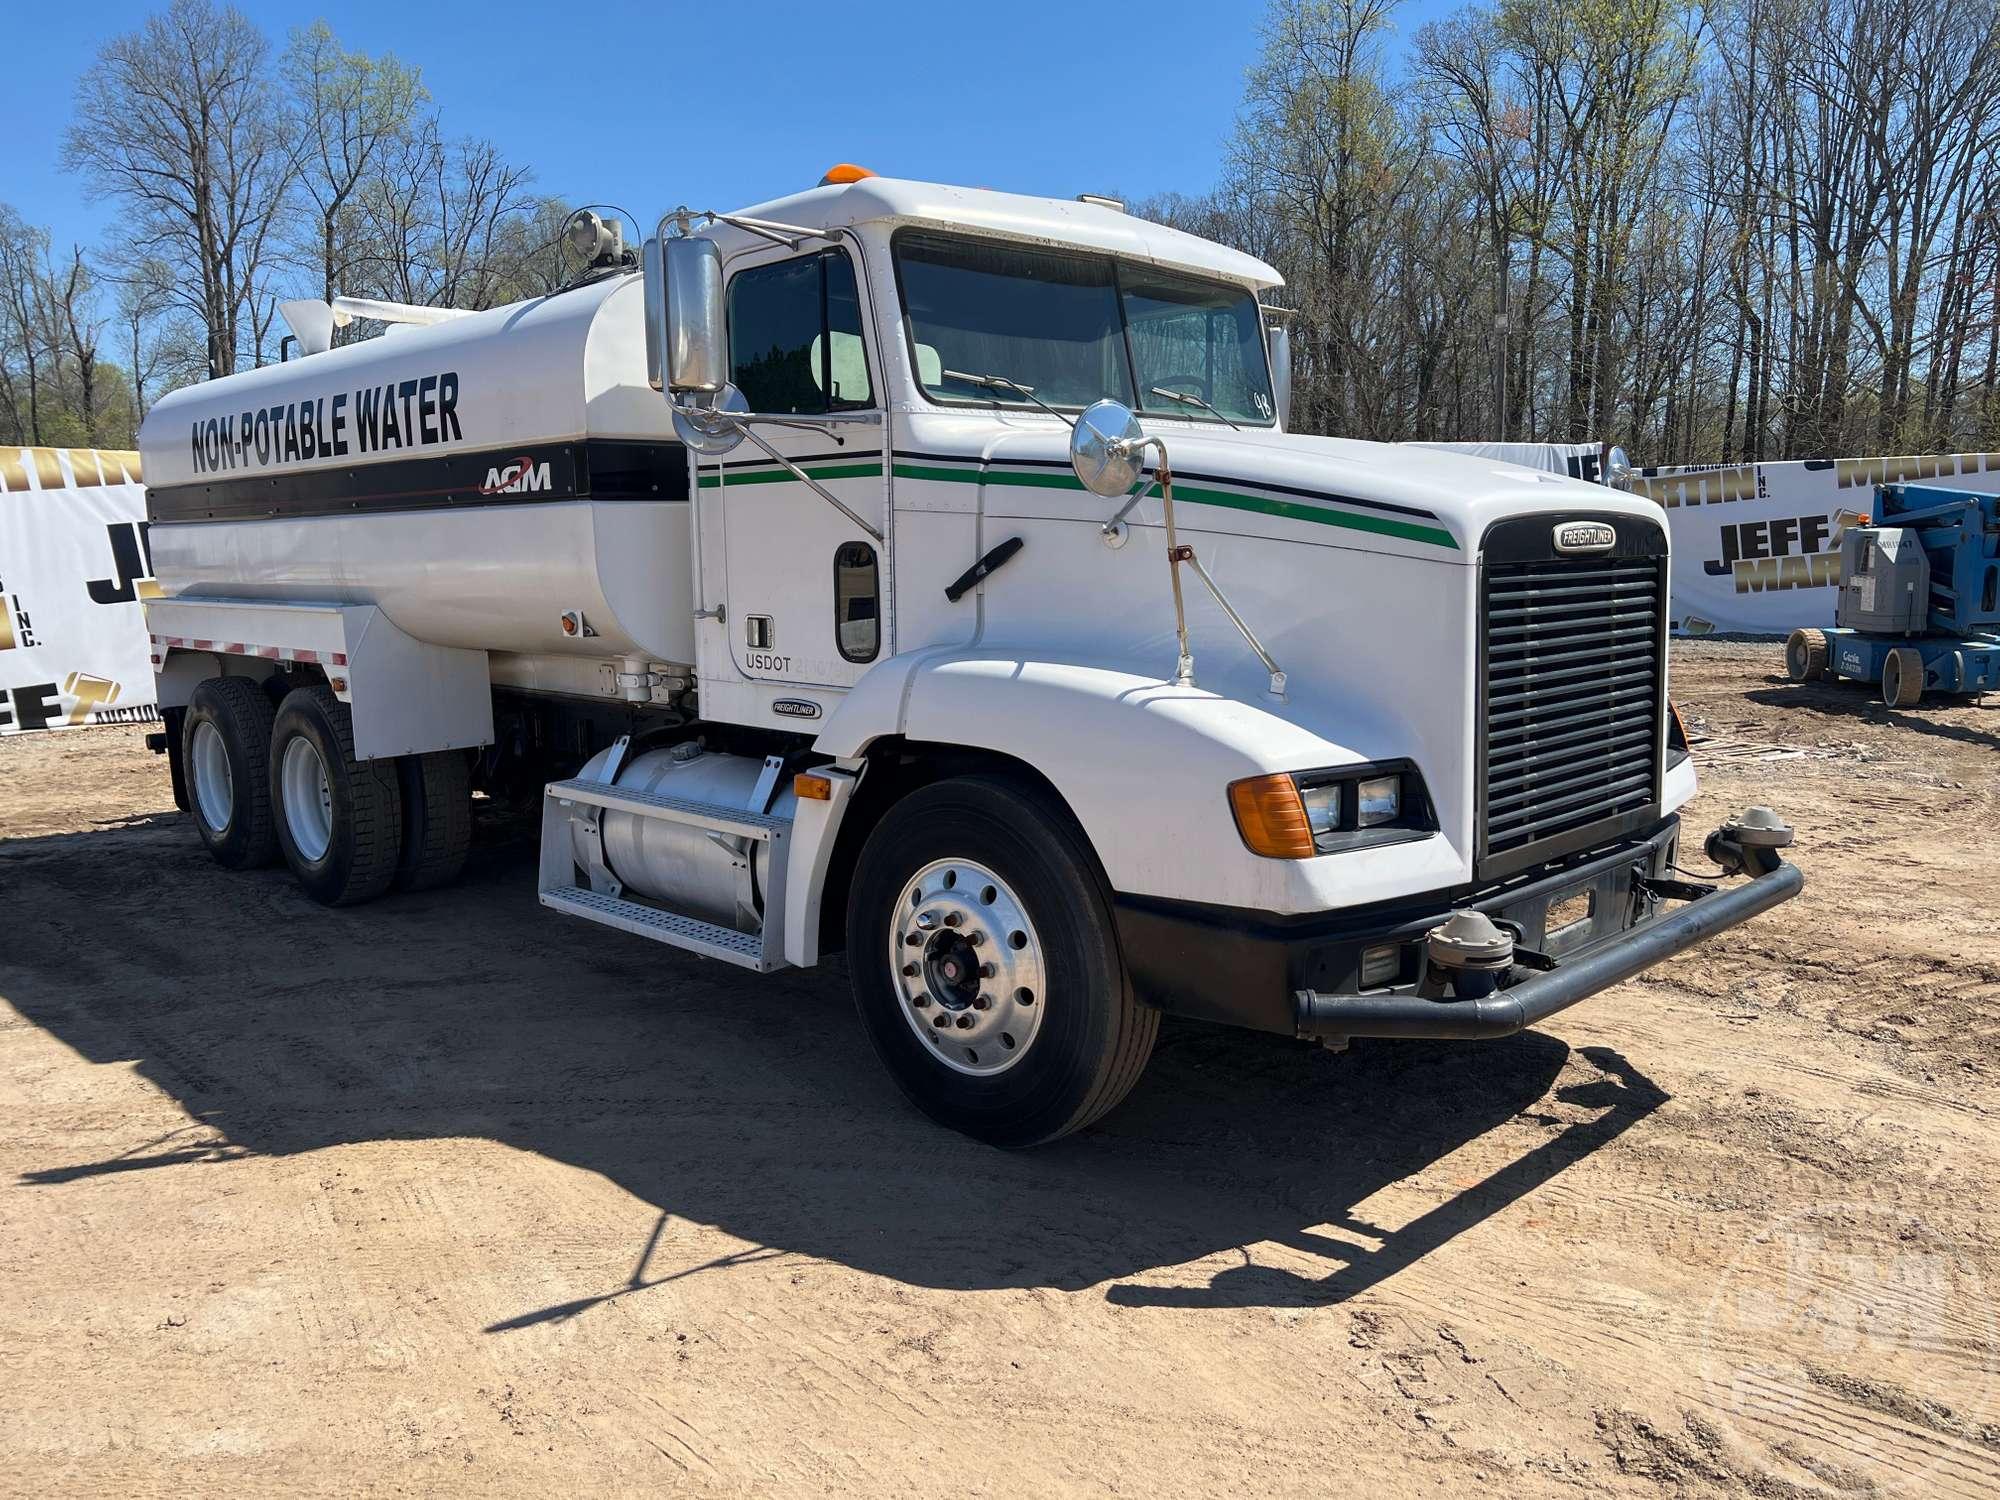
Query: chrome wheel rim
{"type": "Point", "coordinates": [308, 799]}
{"type": "Point", "coordinates": [214, 783]}
{"type": "Point", "coordinates": [967, 966]}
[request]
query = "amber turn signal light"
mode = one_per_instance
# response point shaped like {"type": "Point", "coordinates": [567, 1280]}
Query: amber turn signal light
{"type": "Point", "coordinates": [813, 788]}
{"type": "Point", "coordinates": [1271, 817]}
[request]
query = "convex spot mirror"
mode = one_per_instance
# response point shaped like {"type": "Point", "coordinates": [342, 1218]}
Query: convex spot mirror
{"type": "Point", "coordinates": [1105, 448]}
{"type": "Point", "coordinates": [686, 346]}
{"type": "Point", "coordinates": [706, 429]}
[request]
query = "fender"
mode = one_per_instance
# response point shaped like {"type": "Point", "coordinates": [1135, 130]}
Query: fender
{"type": "Point", "coordinates": [1143, 764]}
{"type": "Point", "coordinates": [408, 696]}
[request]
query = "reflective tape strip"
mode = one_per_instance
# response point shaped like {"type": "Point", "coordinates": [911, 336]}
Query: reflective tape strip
{"type": "Point", "coordinates": [166, 643]}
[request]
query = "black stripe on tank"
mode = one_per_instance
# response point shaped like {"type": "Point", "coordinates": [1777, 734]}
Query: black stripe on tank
{"type": "Point", "coordinates": [610, 469]}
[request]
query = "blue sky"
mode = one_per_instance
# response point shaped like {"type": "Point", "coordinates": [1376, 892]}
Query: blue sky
{"type": "Point", "coordinates": [722, 104]}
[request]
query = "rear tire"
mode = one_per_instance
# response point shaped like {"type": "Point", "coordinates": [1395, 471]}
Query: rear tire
{"type": "Point", "coordinates": [1035, 897]}
{"type": "Point", "coordinates": [340, 820]}
{"type": "Point", "coordinates": [437, 819]}
{"type": "Point", "coordinates": [1806, 655]}
{"type": "Point", "coordinates": [226, 757]}
{"type": "Point", "coordinates": [1902, 677]}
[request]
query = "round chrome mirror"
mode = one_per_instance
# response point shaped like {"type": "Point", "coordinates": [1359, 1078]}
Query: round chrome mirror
{"type": "Point", "coordinates": [1618, 469]}
{"type": "Point", "coordinates": [705, 431]}
{"type": "Point", "coordinates": [1104, 449]}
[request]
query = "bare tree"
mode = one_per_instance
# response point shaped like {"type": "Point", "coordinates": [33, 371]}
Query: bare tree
{"type": "Point", "coordinates": [178, 121]}
{"type": "Point", "coordinates": [343, 111]}
{"type": "Point", "coordinates": [23, 329]}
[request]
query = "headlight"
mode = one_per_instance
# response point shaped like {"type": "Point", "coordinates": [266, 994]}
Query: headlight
{"type": "Point", "coordinates": [1380, 800]}
{"type": "Point", "coordinates": [1322, 808]}
{"type": "Point", "coordinates": [1295, 815]}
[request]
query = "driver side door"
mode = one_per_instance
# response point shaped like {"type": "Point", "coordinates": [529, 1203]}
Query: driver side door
{"type": "Point", "coordinates": [804, 581]}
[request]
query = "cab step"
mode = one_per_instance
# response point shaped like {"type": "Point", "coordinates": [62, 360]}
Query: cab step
{"type": "Point", "coordinates": [709, 939]}
{"type": "Point", "coordinates": [600, 896]}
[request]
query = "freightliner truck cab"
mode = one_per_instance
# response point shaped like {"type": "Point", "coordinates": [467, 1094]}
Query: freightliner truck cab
{"type": "Point", "coordinates": [929, 573]}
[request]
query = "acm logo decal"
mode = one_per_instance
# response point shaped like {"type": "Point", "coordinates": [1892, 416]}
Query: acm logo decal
{"type": "Point", "coordinates": [521, 476]}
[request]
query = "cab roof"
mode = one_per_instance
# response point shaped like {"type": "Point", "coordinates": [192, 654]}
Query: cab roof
{"type": "Point", "coordinates": [1055, 221]}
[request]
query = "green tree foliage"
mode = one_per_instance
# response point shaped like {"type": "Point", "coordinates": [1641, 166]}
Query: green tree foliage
{"type": "Point", "coordinates": [1738, 230]}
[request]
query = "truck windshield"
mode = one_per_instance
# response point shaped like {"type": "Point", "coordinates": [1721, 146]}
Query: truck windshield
{"type": "Point", "coordinates": [1070, 326]}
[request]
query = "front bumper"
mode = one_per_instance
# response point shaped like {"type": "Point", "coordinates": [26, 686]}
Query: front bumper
{"type": "Point", "coordinates": [1301, 975]}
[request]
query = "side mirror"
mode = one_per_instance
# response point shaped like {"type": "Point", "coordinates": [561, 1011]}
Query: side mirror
{"type": "Point", "coordinates": [1617, 469]}
{"type": "Point", "coordinates": [1278, 340]}
{"type": "Point", "coordinates": [1105, 448]}
{"type": "Point", "coordinates": [686, 347]}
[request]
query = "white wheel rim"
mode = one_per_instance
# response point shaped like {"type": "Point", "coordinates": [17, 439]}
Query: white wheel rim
{"type": "Point", "coordinates": [214, 783]}
{"type": "Point", "coordinates": [308, 799]}
{"type": "Point", "coordinates": [967, 967]}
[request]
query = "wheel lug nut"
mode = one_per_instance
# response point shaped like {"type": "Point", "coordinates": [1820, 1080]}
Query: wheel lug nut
{"type": "Point", "coordinates": [921, 1002]}
{"type": "Point", "coordinates": [975, 937]}
{"type": "Point", "coordinates": [983, 1002]}
{"type": "Point", "coordinates": [926, 920]}
{"type": "Point", "coordinates": [952, 919]}
{"type": "Point", "coordinates": [915, 940]}
{"type": "Point", "coordinates": [964, 1021]}
{"type": "Point", "coordinates": [987, 971]}
{"type": "Point", "coordinates": [910, 971]}
{"type": "Point", "coordinates": [940, 1019]}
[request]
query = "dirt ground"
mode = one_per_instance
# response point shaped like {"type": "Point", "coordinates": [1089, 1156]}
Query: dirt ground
{"type": "Point", "coordinates": [448, 1195]}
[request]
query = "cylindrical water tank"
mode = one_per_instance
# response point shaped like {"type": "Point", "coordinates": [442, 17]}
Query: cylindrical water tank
{"type": "Point", "coordinates": [481, 481]}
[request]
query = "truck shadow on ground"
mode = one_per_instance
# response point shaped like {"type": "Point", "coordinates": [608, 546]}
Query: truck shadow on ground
{"type": "Point", "coordinates": [1853, 700]}
{"type": "Point", "coordinates": [754, 1105]}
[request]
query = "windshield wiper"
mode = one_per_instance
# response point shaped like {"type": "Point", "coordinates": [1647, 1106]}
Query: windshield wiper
{"type": "Point", "coordinates": [1002, 383]}
{"type": "Point", "coordinates": [1184, 397]}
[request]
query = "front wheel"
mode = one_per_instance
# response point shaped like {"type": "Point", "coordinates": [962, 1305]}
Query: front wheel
{"type": "Point", "coordinates": [986, 967]}
{"type": "Point", "coordinates": [1902, 678]}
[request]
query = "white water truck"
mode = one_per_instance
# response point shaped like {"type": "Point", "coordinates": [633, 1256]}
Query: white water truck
{"type": "Point", "coordinates": [928, 573]}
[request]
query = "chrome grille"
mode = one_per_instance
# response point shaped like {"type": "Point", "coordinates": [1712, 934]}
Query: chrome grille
{"type": "Point", "coordinates": [1573, 657]}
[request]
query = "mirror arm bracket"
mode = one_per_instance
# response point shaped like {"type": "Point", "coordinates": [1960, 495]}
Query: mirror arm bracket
{"type": "Point", "coordinates": [1277, 688]}
{"type": "Point", "coordinates": [743, 426]}
{"type": "Point", "coordinates": [1139, 491]}
{"type": "Point", "coordinates": [791, 236]}
{"type": "Point", "coordinates": [1178, 553]}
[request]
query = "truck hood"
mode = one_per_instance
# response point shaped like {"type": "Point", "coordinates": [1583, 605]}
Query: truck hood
{"type": "Point", "coordinates": [1388, 497]}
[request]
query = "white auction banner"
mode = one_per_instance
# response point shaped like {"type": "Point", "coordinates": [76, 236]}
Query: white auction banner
{"type": "Point", "coordinates": [1757, 546]}
{"type": "Point", "coordinates": [1583, 461]}
{"type": "Point", "coordinates": [74, 566]}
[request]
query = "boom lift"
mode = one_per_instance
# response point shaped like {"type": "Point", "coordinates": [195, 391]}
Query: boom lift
{"type": "Point", "coordinates": [1919, 603]}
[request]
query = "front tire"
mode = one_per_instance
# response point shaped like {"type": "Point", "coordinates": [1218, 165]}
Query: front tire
{"type": "Point", "coordinates": [986, 967]}
{"type": "Point", "coordinates": [225, 758]}
{"type": "Point", "coordinates": [340, 820]}
{"type": "Point", "coordinates": [1902, 677]}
